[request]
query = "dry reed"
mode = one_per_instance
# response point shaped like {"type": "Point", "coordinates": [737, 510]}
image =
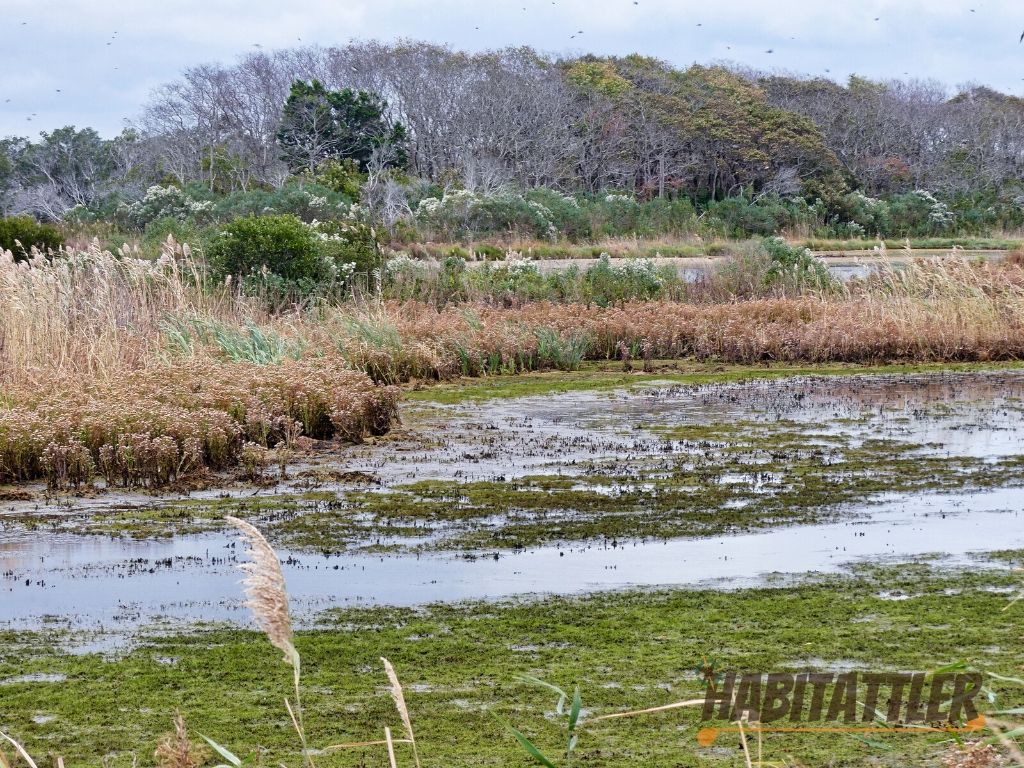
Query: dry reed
{"type": "Point", "coordinates": [398, 696]}
{"type": "Point", "coordinates": [267, 598]}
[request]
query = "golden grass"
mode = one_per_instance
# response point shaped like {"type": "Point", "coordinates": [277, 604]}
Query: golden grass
{"type": "Point", "coordinates": [89, 386]}
{"type": "Point", "coordinates": [91, 313]}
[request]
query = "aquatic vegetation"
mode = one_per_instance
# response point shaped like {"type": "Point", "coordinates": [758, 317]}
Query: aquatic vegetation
{"type": "Point", "coordinates": [459, 665]}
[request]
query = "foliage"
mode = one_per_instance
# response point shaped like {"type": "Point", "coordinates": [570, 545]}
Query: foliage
{"type": "Point", "coordinates": [795, 267]}
{"type": "Point", "coordinates": [168, 202]}
{"type": "Point", "coordinates": [349, 244]}
{"type": "Point", "coordinates": [741, 217]}
{"type": "Point", "coordinates": [20, 234]}
{"type": "Point", "coordinates": [274, 256]}
{"type": "Point", "coordinates": [306, 202]}
{"type": "Point", "coordinates": [318, 124]}
{"type": "Point", "coordinates": [341, 176]}
{"type": "Point", "coordinates": [461, 214]}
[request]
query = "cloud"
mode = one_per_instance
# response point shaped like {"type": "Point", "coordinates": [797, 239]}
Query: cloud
{"type": "Point", "coordinates": [105, 55]}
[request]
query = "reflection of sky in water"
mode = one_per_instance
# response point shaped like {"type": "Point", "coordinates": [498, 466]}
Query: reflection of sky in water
{"type": "Point", "coordinates": [106, 584]}
{"type": "Point", "coordinates": [120, 584]}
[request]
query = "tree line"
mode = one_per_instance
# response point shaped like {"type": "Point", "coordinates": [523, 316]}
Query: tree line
{"type": "Point", "coordinates": [410, 113]}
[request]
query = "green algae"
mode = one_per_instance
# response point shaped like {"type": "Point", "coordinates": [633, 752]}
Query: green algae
{"type": "Point", "coordinates": [458, 664]}
{"type": "Point", "coordinates": [604, 375]}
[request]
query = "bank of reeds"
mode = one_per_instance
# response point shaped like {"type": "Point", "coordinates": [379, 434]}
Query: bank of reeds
{"type": "Point", "coordinates": [153, 426]}
{"type": "Point", "coordinates": [92, 384]}
{"type": "Point", "coordinates": [140, 372]}
{"type": "Point", "coordinates": [926, 312]}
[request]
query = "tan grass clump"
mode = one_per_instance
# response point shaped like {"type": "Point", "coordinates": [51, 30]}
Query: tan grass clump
{"type": "Point", "coordinates": [94, 313]}
{"type": "Point", "coordinates": [153, 426]}
{"type": "Point", "coordinates": [935, 311]}
{"type": "Point", "coordinates": [176, 750]}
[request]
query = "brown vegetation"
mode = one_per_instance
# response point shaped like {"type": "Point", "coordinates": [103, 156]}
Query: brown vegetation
{"type": "Point", "coordinates": [140, 373]}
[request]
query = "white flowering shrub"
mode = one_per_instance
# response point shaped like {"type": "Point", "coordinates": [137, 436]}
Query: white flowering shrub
{"type": "Point", "coordinates": [348, 241]}
{"type": "Point", "coordinates": [461, 213]}
{"type": "Point", "coordinates": [168, 202]}
{"type": "Point", "coordinates": [629, 279]}
{"type": "Point", "coordinates": [402, 265]}
{"type": "Point", "coordinates": [939, 214]}
{"type": "Point", "coordinates": [616, 199]}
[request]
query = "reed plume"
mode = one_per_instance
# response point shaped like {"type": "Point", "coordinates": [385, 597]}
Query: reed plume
{"type": "Point", "coordinates": [265, 591]}
{"type": "Point", "coordinates": [403, 711]}
{"type": "Point", "coordinates": [20, 749]}
{"type": "Point", "coordinates": [267, 598]}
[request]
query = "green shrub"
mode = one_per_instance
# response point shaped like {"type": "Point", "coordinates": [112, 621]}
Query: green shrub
{"type": "Point", "coordinates": [281, 246]}
{"type": "Point", "coordinates": [19, 234]}
{"type": "Point", "coordinates": [741, 217]}
{"type": "Point", "coordinates": [662, 216]}
{"type": "Point", "coordinates": [350, 246]}
{"type": "Point", "coordinates": [569, 218]}
{"type": "Point", "coordinates": [164, 203]}
{"type": "Point", "coordinates": [919, 213]}
{"type": "Point", "coordinates": [632, 279]}
{"type": "Point", "coordinates": [341, 176]}
{"type": "Point", "coordinates": [794, 266]}
{"type": "Point", "coordinates": [307, 203]}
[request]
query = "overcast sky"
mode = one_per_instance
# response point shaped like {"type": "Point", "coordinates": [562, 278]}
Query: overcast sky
{"type": "Point", "coordinates": [93, 62]}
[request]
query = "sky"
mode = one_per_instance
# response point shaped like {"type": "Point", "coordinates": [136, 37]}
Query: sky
{"type": "Point", "coordinates": [94, 62]}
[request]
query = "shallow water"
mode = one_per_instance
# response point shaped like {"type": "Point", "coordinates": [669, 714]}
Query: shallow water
{"type": "Point", "coordinates": [102, 585]}
{"type": "Point", "coordinates": [57, 578]}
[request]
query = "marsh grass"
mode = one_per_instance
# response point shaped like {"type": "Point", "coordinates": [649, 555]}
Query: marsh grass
{"type": "Point", "coordinates": [141, 373]}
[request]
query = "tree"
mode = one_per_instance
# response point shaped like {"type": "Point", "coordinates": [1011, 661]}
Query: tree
{"type": "Point", "coordinates": [318, 124]}
{"type": "Point", "coordinates": [9, 150]}
{"type": "Point", "coordinates": [67, 167]}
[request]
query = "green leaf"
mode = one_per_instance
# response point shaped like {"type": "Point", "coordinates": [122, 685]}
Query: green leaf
{"type": "Point", "coordinates": [526, 743]}
{"type": "Point", "coordinates": [1015, 680]}
{"type": "Point", "coordinates": [528, 746]}
{"type": "Point", "coordinates": [562, 695]}
{"type": "Point", "coordinates": [874, 743]}
{"type": "Point", "coordinates": [574, 713]}
{"type": "Point", "coordinates": [223, 751]}
{"type": "Point", "coordinates": [1016, 733]}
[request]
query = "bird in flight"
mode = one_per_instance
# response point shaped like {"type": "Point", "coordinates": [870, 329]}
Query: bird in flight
{"type": "Point", "coordinates": [1021, 38]}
